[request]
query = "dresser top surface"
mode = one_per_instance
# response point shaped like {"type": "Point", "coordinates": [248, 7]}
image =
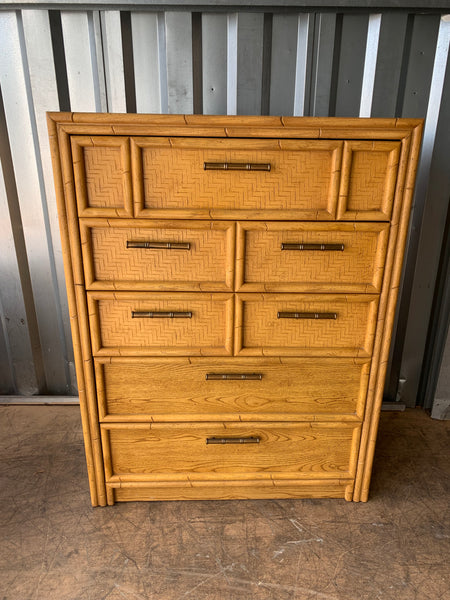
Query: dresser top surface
{"type": "Point", "coordinates": [233, 126]}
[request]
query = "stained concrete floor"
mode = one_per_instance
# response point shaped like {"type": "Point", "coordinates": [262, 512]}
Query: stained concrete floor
{"type": "Point", "coordinates": [54, 546]}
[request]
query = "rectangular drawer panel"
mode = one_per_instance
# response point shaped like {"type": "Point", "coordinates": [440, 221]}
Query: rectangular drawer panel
{"type": "Point", "coordinates": [179, 389]}
{"type": "Point", "coordinates": [180, 451]}
{"type": "Point", "coordinates": [313, 257]}
{"type": "Point", "coordinates": [369, 177]}
{"type": "Point", "coordinates": [305, 324]}
{"type": "Point", "coordinates": [102, 174]}
{"type": "Point", "coordinates": [158, 255]}
{"type": "Point", "coordinates": [139, 323]}
{"type": "Point", "coordinates": [299, 177]}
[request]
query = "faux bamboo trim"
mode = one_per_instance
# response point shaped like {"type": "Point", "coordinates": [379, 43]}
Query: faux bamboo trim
{"type": "Point", "coordinates": [233, 126]}
{"type": "Point", "coordinates": [80, 299]}
{"type": "Point", "coordinates": [394, 262]}
{"type": "Point", "coordinates": [274, 482]}
{"type": "Point", "coordinates": [376, 386]}
{"type": "Point", "coordinates": [85, 421]}
{"type": "Point", "coordinates": [397, 268]}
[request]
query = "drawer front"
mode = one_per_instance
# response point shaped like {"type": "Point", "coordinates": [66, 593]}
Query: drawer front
{"type": "Point", "coordinates": [158, 255]}
{"type": "Point", "coordinates": [180, 389]}
{"type": "Point", "coordinates": [127, 323]}
{"type": "Point", "coordinates": [178, 451]}
{"type": "Point", "coordinates": [305, 324]}
{"type": "Point", "coordinates": [305, 179]}
{"type": "Point", "coordinates": [298, 177]}
{"type": "Point", "coordinates": [313, 257]}
{"type": "Point", "coordinates": [368, 181]}
{"type": "Point", "coordinates": [102, 175]}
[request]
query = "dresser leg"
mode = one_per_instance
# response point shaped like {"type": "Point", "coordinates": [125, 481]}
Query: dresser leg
{"type": "Point", "coordinates": [110, 495]}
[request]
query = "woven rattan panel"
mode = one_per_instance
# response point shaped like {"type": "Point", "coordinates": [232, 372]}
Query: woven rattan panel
{"type": "Point", "coordinates": [279, 255]}
{"type": "Point", "coordinates": [232, 283]}
{"type": "Point", "coordinates": [298, 178]}
{"type": "Point", "coordinates": [197, 256]}
{"type": "Point", "coordinates": [325, 326]}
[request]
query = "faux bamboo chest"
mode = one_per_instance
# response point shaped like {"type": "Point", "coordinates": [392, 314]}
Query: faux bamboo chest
{"type": "Point", "coordinates": [232, 284]}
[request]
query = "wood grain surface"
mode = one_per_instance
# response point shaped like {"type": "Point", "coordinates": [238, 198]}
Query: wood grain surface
{"type": "Point", "coordinates": [304, 389]}
{"type": "Point", "coordinates": [314, 404]}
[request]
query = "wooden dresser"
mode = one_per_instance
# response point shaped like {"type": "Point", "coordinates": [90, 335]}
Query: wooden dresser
{"type": "Point", "coordinates": [232, 284]}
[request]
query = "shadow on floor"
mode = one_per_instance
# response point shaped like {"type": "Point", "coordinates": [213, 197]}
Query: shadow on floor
{"type": "Point", "coordinates": [56, 547]}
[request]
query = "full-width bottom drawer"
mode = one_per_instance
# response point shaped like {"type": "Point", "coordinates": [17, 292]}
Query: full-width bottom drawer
{"type": "Point", "coordinates": [232, 389]}
{"type": "Point", "coordinates": [229, 451]}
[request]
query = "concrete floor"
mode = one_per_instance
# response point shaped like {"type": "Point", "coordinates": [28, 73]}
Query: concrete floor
{"type": "Point", "coordinates": [56, 547]}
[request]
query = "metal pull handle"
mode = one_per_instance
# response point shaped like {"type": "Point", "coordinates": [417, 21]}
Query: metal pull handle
{"type": "Point", "coordinates": [233, 376]}
{"type": "Point", "coordinates": [160, 245]}
{"type": "Point", "coordinates": [313, 247]}
{"type": "Point", "coordinates": [306, 315]}
{"type": "Point", "coordinates": [226, 440]}
{"type": "Point", "coordinates": [145, 314]}
{"type": "Point", "coordinates": [231, 166]}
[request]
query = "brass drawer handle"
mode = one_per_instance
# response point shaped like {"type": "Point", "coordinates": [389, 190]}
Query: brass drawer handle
{"type": "Point", "coordinates": [233, 376]}
{"type": "Point", "coordinates": [313, 247]}
{"type": "Point", "coordinates": [306, 315]}
{"type": "Point", "coordinates": [226, 440]}
{"type": "Point", "coordinates": [230, 166]}
{"type": "Point", "coordinates": [145, 314]}
{"type": "Point", "coordinates": [160, 245]}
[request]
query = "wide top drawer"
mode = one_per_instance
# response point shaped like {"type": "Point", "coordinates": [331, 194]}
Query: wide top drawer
{"type": "Point", "coordinates": [179, 177]}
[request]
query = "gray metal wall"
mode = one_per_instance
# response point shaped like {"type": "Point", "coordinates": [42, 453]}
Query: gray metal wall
{"type": "Point", "coordinates": [262, 62]}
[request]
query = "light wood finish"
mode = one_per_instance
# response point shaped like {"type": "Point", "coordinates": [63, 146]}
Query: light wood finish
{"type": "Point", "coordinates": [369, 175]}
{"type": "Point", "coordinates": [284, 451]}
{"type": "Point", "coordinates": [149, 390]}
{"type": "Point", "coordinates": [259, 330]}
{"type": "Point", "coordinates": [303, 176]}
{"type": "Point", "coordinates": [263, 265]}
{"type": "Point", "coordinates": [207, 264]}
{"type": "Point", "coordinates": [231, 490]}
{"type": "Point", "coordinates": [102, 174]}
{"type": "Point", "coordinates": [310, 385]}
{"type": "Point", "coordinates": [114, 331]}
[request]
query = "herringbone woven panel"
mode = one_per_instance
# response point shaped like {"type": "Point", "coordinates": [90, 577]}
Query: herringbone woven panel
{"type": "Point", "coordinates": [350, 331]}
{"type": "Point", "coordinates": [175, 178]}
{"type": "Point", "coordinates": [368, 180]}
{"type": "Point", "coordinates": [205, 330]}
{"type": "Point", "coordinates": [104, 176]}
{"type": "Point", "coordinates": [205, 261]}
{"type": "Point", "coordinates": [360, 263]}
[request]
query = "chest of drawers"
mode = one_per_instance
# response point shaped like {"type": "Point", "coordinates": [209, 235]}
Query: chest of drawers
{"type": "Point", "coordinates": [232, 284]}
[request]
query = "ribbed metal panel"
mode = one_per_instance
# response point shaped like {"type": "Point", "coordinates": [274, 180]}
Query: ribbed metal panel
{"type": "Point", "coordinates": [382, 64]}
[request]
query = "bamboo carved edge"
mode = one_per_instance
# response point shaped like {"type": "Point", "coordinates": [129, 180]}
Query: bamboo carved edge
{"type": "Point", "coordinates": [388, 302]}
{"type": "Point", "coordinates": [232, 126]}
{"type": "Point", "coordinates": [91, 432]}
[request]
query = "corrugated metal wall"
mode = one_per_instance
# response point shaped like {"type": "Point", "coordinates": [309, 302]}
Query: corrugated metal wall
{"type": "Point", "coordinates": [284, 63]}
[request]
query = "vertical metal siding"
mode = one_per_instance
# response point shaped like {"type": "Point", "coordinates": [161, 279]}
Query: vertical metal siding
{"type": "Point", "coordinates": [311, 63]}
{"type": "Point", "coordinates": [214, 63]}
{"type": "Point", "coordinates": [250, 63]}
